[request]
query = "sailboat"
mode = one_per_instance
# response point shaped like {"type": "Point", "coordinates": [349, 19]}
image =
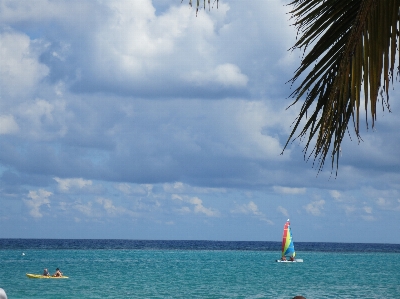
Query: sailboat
{"type": "Point", "coordinates": [288, 246]}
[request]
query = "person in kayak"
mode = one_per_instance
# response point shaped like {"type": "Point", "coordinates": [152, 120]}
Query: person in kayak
{"type": "Point", "coordinates": [46, 272]}
{"type": "Point", "coordinates": [58, 273]}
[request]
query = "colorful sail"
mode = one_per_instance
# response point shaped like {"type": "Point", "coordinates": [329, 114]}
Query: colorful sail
{"type": "Point", "coordinates": [287, 241]}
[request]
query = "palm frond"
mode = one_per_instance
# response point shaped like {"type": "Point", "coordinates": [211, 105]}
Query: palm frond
{"type": "Point", "coordinates": [353, 49]}
{"type": "Point", "coordinates": [204, 4]}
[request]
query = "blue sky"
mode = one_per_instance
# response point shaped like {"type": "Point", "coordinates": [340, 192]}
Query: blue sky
{"type": "Point", "coordinates": [139, 120]}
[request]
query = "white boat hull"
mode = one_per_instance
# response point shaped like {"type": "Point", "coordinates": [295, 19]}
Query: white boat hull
{"type": "Point", "coordinates": [295, 261]}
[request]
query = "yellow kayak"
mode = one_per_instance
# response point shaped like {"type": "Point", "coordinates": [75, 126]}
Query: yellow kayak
{"type": "Point", "coordinates": [41, 276]}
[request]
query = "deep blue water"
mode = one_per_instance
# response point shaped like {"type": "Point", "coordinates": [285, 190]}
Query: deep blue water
{"type": "Point", "coordinates": [197, 269]}
{"type": "Point", "coordinates": [87, 244]}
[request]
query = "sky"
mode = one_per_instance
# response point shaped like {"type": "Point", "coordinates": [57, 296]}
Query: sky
{"type": "Point", "coordinates": [140, 120]}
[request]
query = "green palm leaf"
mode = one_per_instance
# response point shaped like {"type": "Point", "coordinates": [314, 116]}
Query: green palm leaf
{"type": "Point", "coordinates": [198, 4]}
{"type": "Point", "coordinates": [353, 48]}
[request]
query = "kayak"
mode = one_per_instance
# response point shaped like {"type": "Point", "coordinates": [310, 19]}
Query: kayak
{"type": "Point", "coordinates": [41, 276]}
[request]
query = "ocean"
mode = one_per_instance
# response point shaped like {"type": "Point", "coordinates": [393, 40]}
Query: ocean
{"type": "Point", "coordinates": [197, 269]}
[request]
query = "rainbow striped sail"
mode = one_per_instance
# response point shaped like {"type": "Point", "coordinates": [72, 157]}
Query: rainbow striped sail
{"type": "Point", "coordinates": [287, 241]}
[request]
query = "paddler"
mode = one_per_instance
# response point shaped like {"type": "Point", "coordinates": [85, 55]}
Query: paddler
{"type": "Point", "coordinates": [46, 272]}
{"type": "Point", "coordinates": [58, 273]}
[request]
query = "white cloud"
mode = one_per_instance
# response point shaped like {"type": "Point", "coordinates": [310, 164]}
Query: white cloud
{"type": "Point", "coordinates": [183, 210]}
{"type": "Point", "coordinates": [368, 217]}
{"type": "Point", "coordinates": [66, 185]}
{"type": "Point", "coordinates": [44, 10]}
{"type": "Point", "coordinates": [86, 209]}
{"type": "Point", "coordinates": [176, 196]}
{"type": "Point", "coordinates": [133, 46]}
{"type": "Point", "coordinates": [238, 128]}
{"type": "Point", "coordinates": [106, 204]}
{"type": "Point", "coordinates": [388, 204]}
{"type": "Point", "coordinates": [382, 202]}
{"type": "Point", "coordinates": [124, 188]}
{"type": "Point", "coordinates": [336, 195]}
{"type": "Point", "coordinates": [20, 70]}
{"type": "Point", "coordinates": [8, 125]}
{"type": "Point", "coordinates": [253, 120]}
{"type": "Point", "coordinates": [315, 208]}
{"type": "Point", "coordinates": [37, 199]}
{"type": "Point", "coordinates": [113, 210]}
{"type": "Point", "coordinates": [39, 110]}
{"type": "Point", "coordinates": [42, 119]}
{"type": "Point", "coordinates": [367, 210]}
{"type": "Point", "coordinates": [124, 45]}
{"type": "Point", "coordinates": [199, 208]}
{"type": "Point", "coordinates": [197, 203]}
{"type": "Point", "coordinates": [252, 209]}
{"type": "Point", "coordinates": [129, 189]}
{"type": "Point", "coordinates": [288, 190]}
{"type": "Point", "coordinates": [180, 187]}
{"type": "Point", "coordinates": [283, 211]}
{"type": "Point", "coordinates": [176, 187]}
{"type": "Point", "coordinates": [225, 74]}
{"type": "Point", "coordinates": [63, 205]}
{"type": "Point", "coordinates": [349, 209]}
{"type": "Point", "coordinates": [342, 198]}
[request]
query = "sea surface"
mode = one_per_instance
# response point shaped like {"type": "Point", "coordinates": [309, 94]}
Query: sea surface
{"type": "Point", "coordinates": [197, 269]}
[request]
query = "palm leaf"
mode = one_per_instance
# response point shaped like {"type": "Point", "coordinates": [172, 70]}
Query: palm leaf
{"type": "Point", "coordinates": [353, 49]}
{"type": "Point", "coordinates": [204, 4]}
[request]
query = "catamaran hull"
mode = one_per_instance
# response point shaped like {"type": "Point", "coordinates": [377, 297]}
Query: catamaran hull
{"type": "Point", "coordinates": [295, 261]}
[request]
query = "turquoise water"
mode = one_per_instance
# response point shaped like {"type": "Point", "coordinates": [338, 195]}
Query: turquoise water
{"type": "Point", "coordinates": [199, 274]}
